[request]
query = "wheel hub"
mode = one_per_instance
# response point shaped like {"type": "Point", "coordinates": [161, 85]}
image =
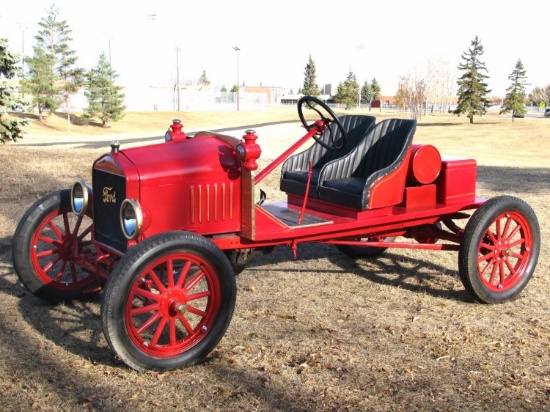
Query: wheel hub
{"type": "Point", "coordinates": [173, 304]}
{"type": "Point", "coordinates": [67, 246]}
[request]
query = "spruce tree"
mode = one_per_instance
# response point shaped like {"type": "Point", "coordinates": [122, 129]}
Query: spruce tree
{"type": "Point", "coordinates": [10, 129]}
{"type": "Point", "coordinates": [366, 93]}
{"type": "Point", "coordinates": [348, 91]}
{"type": "Point", "coordinates": [376, 89]}
{"type": "Point", "coordinates": [105, 98]}
{"type": "Point", "coordinates": [370, 92]}
{"type": "Point", "coordinates": [514, 101]}
{"type": "Point", "coordinates": [40, 82]}
{"type": "Point", "coordinates": [53, 76]}
{"type": "Point", "coordinates": [310, 87]}
{"type": "Point", "coordinates": [472, 88]}
{"type": "Point", "coordinates": [203, 81]}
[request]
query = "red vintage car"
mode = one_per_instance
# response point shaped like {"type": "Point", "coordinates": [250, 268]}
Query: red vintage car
{"type": "Point", "coordinates": [164, 228]}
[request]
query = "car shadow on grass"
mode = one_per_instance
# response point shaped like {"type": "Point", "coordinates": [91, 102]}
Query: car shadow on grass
{"type": "Point", "coordinates": [74, 325]}
{"type": "Point", "coordinates": [392, 268]}
{"type": "Point", "coordinates": [514, 179]}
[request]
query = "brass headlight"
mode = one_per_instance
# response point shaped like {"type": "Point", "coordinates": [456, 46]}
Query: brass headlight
{"type": "Point", "coordinates": [80, 197]}
{"type": "Point", "coordinates": [131, 218]}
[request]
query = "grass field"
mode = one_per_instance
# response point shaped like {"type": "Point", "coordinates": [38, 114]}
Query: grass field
{"type": "Point", "coordinates": [320, 333]}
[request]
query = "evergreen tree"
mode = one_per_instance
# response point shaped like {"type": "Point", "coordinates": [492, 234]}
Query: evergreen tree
{"type": "Point", "coordinates": [203, 81]}
{"type": "Point", "coordinates": [310, 87]}
{"type": "Point", "coordinates": [10, 129]}
{"type": "Point", "coordinates": [366, 93]}
{"type": "Point", "coordinates": [472, 88]}
{"type": "Point", "coordinates": [348, 91]}
{"type": "Point", "coordinates": [105, 98]}
{"type": "Point", "coordinates": [40, 82]}
{"type": "Point", "coordinates": [376, 89]}
{"type": "Point", "coordinates": [370, 92]}
{"type": "Point", "coordinates": [52, 77]}
{"type": "Point", "coordinates": [514, 101]}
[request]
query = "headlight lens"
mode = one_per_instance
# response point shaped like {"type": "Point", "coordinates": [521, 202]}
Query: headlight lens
{"type": "Point", "coordinates": [131, 218]}
{"type": "Point", "coordinates": [241, 152]}
{"type": "Point", "coordinates": [80, 197]}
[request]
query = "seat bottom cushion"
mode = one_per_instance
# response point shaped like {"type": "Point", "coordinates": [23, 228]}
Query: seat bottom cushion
{"type": "Point", "coordinates": [354, 185]}
{"type": "Point", "coordinates": [301, 176]}
{"type": "Point", "coordinates": [295, 182]}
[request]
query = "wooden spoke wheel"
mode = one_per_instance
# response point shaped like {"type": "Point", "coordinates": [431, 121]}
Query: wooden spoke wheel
{"type": "Point", "coordinates": [499, 249]}
{"type": "Point", "coordinates": [168, 302]}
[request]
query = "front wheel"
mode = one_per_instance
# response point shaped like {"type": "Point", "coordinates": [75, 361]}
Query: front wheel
{"type": "Point", "coordinates": [168, 302]}
{"type": "Point", "coordinates": [499, 249]}
{"type": "Point", "coordinates": [49, 245]}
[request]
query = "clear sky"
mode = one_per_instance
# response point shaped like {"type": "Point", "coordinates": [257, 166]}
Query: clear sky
{"type": "Point", "coordinates": [383, 39]}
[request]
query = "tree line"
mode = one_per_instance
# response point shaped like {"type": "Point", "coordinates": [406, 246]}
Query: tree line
{"type": "Point", "coordinates": [438, 89]}
{"type": "Point", "coordinates": [53, 77]}
{"type": "Point", "coordinates": [348, 92]}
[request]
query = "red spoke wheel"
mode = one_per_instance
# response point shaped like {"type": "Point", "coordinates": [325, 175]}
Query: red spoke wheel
{"type": "Point", "coordinates": [168, 302]}
{"type": "Point", "coordinates": [48, 245]}
{"type": "Point", "coordinates": [499, 249]}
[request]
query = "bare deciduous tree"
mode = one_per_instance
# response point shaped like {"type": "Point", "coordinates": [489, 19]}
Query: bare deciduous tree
{"type": "Point", "coordinates": [411, 95]}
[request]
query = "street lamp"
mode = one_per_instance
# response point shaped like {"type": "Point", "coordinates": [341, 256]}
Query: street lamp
{"type": "Point", "coordinates": [238, 95]}
{"type": "Point", "coordinates": [178, 74]}
{"type": "Point", "coordinates": [359, 47]}
{"type": "Point", "coordinates": [109, 38]}
{"type": "Point", "coordinates": [22, 27]}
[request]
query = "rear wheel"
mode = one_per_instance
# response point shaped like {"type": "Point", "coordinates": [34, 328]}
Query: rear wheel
{"type": "Point", "coordinates": [499, 249]}
{"type": "Point", "coordinates": [47, 245]}
{"type": "Point", "coordinates": [168, 302]}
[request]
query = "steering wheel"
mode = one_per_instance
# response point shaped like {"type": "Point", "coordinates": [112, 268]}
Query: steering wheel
{"type": "Point", "coordinates": [312, 103]}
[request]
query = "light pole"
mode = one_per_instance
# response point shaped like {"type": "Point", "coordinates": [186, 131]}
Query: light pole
{"type": "Point", "coordinates": [109, 38]}
{"type": "Point", "coordinates": [359, 47]}
{"type": "Point", "coordinates": [238, 94]}
{"type": "Point", "coordinates": [178, 75]}
{"type": "Point", "coordinates": [22, 27]}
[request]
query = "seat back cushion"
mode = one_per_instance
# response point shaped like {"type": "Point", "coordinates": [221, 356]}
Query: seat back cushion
{"type": "Point", "coordinates": [387, 144]}
{"type": "Point", "coordinates": [294, 172]}
{"type": "Point", "coordinates": [347, 180]}
{"type": "Point", "coordinates": [356, 128]}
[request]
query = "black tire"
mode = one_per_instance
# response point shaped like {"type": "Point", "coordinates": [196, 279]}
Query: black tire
{"type": "Point", "coordinates": [237, 264]}
{"type": "Point", "coordinates": [154, 321]}
{"type": "Point", "coordinates": [47, 243]}
{"type": "Point", "coordinates": [363, 252]}
{"type": "Point", "coordinates": [499, 250]}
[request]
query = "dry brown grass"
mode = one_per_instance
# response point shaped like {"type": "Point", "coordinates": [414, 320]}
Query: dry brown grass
{"type": "Point", "coordinates": [322, 333]}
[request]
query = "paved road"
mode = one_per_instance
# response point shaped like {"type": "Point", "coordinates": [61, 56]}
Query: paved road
{"type": "Point", "coordinates": [139, 139]}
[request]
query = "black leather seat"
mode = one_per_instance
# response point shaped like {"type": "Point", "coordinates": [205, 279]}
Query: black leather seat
{"type": "Point", "coordinates": [349, 179]}
{"type": "Point", "coordinates": [294, 171]}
